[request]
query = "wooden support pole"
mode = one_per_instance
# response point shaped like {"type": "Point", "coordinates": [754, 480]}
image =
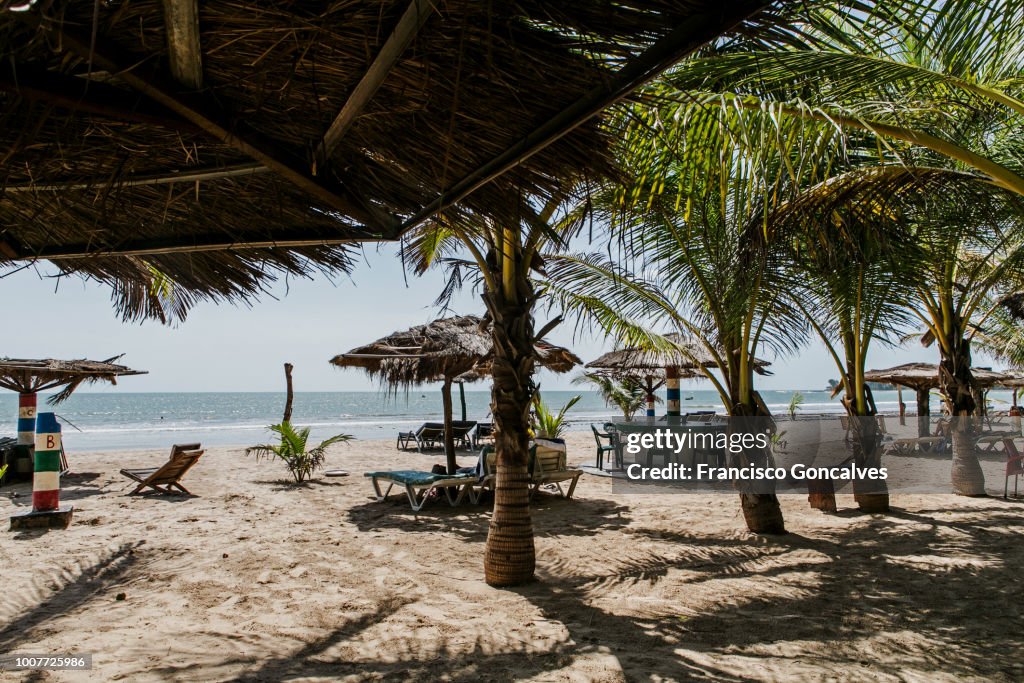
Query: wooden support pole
{"type": "Point", "coordinates": [181, 19]}
{"type": "Point", "coordinates": [696, 30]}
{"type": "Point", "coordinates": [289, 395]}
{"type": "Point", "coordinates": [408, 26]}
{"type": "Point", "coordinates": [203, 115]}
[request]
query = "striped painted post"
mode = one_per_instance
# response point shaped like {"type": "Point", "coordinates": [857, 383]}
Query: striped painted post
{"type": "Point", "coordinates": [26, 419]}
{"type": "Point", "coordinates": [672, 391]}
{"type": "Point", "coordinates": [650, 396]}
{"type": "Point", "coordinates": [46, 479]}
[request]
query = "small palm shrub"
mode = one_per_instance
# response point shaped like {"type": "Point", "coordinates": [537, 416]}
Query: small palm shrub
{"type": "Point", "coordinates": [548, 424]}
{"type": "Point", "coordinates": [293, 450]}
{"type": "Point", "coordinates": [627, 393]}
{"type": "Point", "coordinates": [794, 404]}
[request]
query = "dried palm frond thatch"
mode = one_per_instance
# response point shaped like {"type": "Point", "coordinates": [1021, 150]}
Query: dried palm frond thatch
{"type": "Point", "coordinates": [926, 376]}
{"type": "Point", "coordinates": [456, 348]}
{"type": "Point", "coordinates": [259, 143]}
{"type": "Point", "coordinates": [688, 356]}
{"type": "Point", "coordinates": [32, 376]}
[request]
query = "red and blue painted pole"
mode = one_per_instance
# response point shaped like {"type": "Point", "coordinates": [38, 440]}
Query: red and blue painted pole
{"type": "Point", "coordinates": [26, 419]}
{"type": "Point", "coordinates": [46, 477]}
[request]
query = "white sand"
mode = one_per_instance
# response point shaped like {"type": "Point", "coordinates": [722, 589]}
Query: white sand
{"type": "Point", "coordinates": [257, 579]}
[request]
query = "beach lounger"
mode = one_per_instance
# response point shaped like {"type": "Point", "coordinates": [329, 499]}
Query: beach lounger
{"type": "Point", "coordinates": [549, 468]}
{"type": "Point", "coordinates": [909, 445]}
{"type": "Point", "coordinates": [484, 430]}
{"type": "Point", "coordinates": [418, 486]}
{"type": "Point", "coordinates": [167, 476]}
{"type": "Point", "coordinates": [426, 437]}
{"type": "Point", "coordinates": [487, 472]}
{"type": "Point", "coordinates": [430, 436]}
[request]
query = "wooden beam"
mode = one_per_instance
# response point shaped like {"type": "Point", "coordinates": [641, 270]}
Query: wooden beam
{"type": "Point", "coordinates": [200, 113]}
{"type": "Point", "coordinates": [166, 178]}
{"type": "Point", "coordinates": [181, 22]}
{"type": "Point", "coordinates": [408, 26]}
{"type": "Point", "coordinates": [686, 37]}
{"type": "Point", "coordinates": [182, 245]}
{"type": "Point", "coordinates": [81, 95]}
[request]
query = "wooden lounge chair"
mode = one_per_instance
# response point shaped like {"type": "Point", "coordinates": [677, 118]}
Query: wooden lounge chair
{"type": "Point", "coordinates": [167, 477]}
{"type": "Point", "coordinates": [418, 486]}
{"type": "Point", "coordinates": [549, 467]}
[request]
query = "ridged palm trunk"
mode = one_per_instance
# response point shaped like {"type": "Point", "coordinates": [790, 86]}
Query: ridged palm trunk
{"type": "Point", "coordinates": [872, 495]}
{"type": "Point", "coordinates": [761, 511]}
{"type": "Point", "coordinates": [449, 432]}
{"type": "Point", "coordinates": [510, 558]}
{"type": "Point", "coordinates": [957, 383]}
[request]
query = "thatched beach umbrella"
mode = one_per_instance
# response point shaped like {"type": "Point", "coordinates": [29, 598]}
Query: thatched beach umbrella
{"type": "Point", "coordinates": [29, 377]}
{"type": "Point", "coordinates": [446, 350]}
{"type": "Point", "coordinates": [922, 378]}
{"type": "Point", "coordinates": [163, 110]}
{"type": "Point", "coordinates": [668, 366]}
{"type": "Point", "coordinates": [1013, 380]}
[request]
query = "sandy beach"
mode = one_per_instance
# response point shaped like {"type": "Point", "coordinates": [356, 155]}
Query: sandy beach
{"type": "Point", "coordinates": [254, 578]}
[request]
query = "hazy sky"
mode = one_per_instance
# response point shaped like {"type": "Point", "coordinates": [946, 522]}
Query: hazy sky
{"type": "Point", "coordinates": [235, 348]}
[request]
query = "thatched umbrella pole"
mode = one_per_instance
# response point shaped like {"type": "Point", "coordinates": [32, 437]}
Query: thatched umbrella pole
{"type": "Point", "coordinates": [462, 399]}
{"type": "Point", "coordinates": [924, 411]}
{"type": "Point", "coordinates": [449, 436]}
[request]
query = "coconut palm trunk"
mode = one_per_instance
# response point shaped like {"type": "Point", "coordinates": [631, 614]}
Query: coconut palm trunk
{"type": "Point", "coordinates": [871, 495]}
{"type": "Point", "coordinates": [957, 384]}
{"type": "Point", "coordinates": [761, 511]}
{"type": "Point", "coordinates": [509, 558]}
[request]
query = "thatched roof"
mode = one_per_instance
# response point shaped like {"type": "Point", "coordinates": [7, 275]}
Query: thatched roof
{"type": "Point", "coordinates": [31, 376]}
{"type": "Point", "coordinates": [453, 348]}
{"type": "Point", "coordinates": [926, 376]}
{"type": "Point", "coordinates": [688, 357]}
{"type": "Point", "coordinates": [286, 129]}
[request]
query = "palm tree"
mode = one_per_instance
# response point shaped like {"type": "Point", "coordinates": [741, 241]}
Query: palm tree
{"type": "Point", "coordinates": [626, 393]}
{"type": "Point", "coordinates": [935, 85]}
{"type": "Point", "coordinates": [714, 268]}
{"type": "Point", "coordinates": [860, 276]}
{"type": "Point", "coordinates": [503, 256]}
{"type": "Point", "coordinates": [294, 450]}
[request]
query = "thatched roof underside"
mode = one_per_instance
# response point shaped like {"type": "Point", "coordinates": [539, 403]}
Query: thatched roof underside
{"type": "Point", "coordinates": [454, 348]}
{"type": "Point", "coordinates": [31, 376]}
{"type": "Point", "coordinates": [926, 376]}
{"type": "Point", "coordinates": [687, 356]}
{"type": "Point", "coordinates": [280, 130]}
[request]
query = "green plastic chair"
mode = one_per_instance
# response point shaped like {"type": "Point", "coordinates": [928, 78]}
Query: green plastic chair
{"type": "Point", "coordinates": [603, 448]}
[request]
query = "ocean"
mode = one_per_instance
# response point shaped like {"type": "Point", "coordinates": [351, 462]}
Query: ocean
{"type": "Point", "coordinates": [127, 421]}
